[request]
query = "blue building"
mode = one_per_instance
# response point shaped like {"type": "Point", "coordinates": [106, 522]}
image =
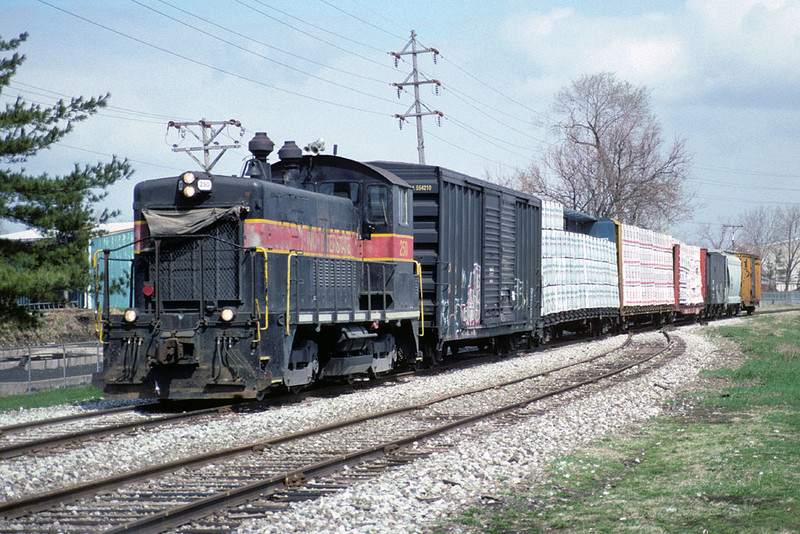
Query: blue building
{"type": "Point", "coordinates": [118, 237]}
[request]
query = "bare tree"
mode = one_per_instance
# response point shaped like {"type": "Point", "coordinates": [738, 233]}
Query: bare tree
{"type": "Point", "coordinates": [611, 159]}
{"type": "Point", "coordinates": [758, 230]}
{"type": "Point", "coordinates": [787, 243]}
{"type": "Point", "coordinates": [715, 235]}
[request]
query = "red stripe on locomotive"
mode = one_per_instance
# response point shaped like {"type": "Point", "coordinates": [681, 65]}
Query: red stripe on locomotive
{"type": "Point", "coordinates": [284, 237]}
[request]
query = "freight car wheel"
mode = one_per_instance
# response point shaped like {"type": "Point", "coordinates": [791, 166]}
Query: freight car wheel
{"type": "Point", "coordinates": [547, 335]}
{"type": "Point", "coordinates": [431, 357]}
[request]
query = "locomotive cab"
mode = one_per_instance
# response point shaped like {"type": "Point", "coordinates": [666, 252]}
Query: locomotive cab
{"type": "Point", "coordinates": [379, 298]}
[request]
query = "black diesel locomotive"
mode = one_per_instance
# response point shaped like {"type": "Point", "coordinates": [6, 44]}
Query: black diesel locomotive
{"type": "Point", "coordinates": [294, 272]}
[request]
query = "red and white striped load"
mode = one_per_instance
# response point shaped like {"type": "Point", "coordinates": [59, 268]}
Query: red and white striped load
{"type": "Point", "coordinates": [647, 269]}
{"type": "Point", "coordinates": [578, 272]}
{"type": "Point", "coordinates": [690, 291]}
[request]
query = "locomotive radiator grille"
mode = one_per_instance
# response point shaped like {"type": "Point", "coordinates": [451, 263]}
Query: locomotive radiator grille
{"type": "Point", "coordinates": [214, 253]}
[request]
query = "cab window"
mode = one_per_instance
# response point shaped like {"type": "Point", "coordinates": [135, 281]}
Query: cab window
{"type": "Point", "coordinates": [402, 208]}
{"type": "Point", "coordinates": [347, 190]}
{"type": "Point", "coordinates": [378, 204]}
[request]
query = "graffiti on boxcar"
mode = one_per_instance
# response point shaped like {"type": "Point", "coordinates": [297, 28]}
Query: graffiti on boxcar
{"type": "Point", "coordinates": [518, 295]}
{"type": "Point", "coordinates": [459, 312]}
{"type": "Point", "coordinates": [471, 309]}
{"type": "Point", "coordinates": [448, 321]}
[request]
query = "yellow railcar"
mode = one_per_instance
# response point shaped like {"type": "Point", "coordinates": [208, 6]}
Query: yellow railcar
{"type": "Point", "coordinates": [751, 281]}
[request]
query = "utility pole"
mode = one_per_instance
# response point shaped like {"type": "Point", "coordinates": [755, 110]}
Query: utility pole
{"type": "Point", "coordinates": [417, 105]}
{"type": "Point", "coordinates": [208, 137]}
{"type": "Point", "coordinates": [733, 228]}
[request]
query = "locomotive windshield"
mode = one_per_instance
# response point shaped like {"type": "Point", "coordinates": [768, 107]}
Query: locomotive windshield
{"type": "Point", "coordinates": [347, 190]}
{"type": "Point", "coordinates": [377, 204]}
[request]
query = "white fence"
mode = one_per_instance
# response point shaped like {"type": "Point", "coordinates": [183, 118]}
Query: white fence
{"type": "Point", "coordinates": [48, 367]}
{"type": "Point", "coordinates": [780, 297]}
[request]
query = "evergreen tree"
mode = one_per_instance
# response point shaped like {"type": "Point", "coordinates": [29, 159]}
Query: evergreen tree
{"type": "Point", "coordinates": [60, 207]}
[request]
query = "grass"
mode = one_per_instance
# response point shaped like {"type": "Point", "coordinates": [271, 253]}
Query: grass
{"type": "Point", "coordinates": [730, 465]}
{"type": "Point", "coordinates": [50, 398]}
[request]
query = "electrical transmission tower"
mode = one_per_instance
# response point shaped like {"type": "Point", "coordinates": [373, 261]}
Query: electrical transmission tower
{"type": "Point", "coordinates": [417, 105]}
{"type": "Point", "coordinates": [209, 134]}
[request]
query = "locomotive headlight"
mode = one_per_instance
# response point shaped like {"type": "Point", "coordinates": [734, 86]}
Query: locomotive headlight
{"type": "Point", "coordinates": [188, 178]}
{"type": "Point", "coordinates": [130, 315]}
{"type": "Point", "coordinates": [227, 315]}
{"type": "Point", "coordinates": [189, 191]}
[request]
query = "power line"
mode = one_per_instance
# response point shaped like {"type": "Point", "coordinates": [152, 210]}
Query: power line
{"type": "Point", "coordinates": [248, 51]}
{"type": "Point", "coordinates": [760, 187]}
{"type": "Point", "coordinates": [447, 87]}
{"type": "Point", "coordinates": [747, 201]}
{"type": "Point", "coordinates": [212, 67]}
{"type": "Point", "coordinates": [100, 111]}
{"type": "Point", "coordinates": [320, 28]}
{"type": "Point", "coordinates": [473, 153]}
{"type": "Point", "coordinates": [309, 34]}
{"type": "Point", "coordinates": [745, 172]}
{"type": "Point", "coordinates": [112, 156]}
{"type": "Point", "coordinates": [491, 88]}
{"type": "Point", "coordinates": [487, 138]}
{"type": "Point", "coordinates": [262, 43]}
{"type": "Point", "coordinates": [49, 93]}
{"type": "Point", "coordinates": [361, 20]}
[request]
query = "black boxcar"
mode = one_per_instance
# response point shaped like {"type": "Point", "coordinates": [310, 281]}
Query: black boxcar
{"type": "Point", "coordinates": [479, 245]}
{"type": "Point", "coordinates": [716, 283]}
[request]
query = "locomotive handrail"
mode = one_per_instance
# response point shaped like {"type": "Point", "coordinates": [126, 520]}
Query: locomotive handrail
{"type": "Point", "coordinates": [421, 309]}
{"type": "Point", "coordinates": [98, 324]}
{"type": "Point", "coordinates": [289, 287]}
{"type": "Point", "coordinates": [266, 296]}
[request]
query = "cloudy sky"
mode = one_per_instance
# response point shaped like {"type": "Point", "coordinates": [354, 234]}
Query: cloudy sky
{"type": "Point", "coordinates": [724, 75]}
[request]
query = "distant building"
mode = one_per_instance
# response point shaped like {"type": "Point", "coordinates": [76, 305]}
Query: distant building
{"type": "Point", "coordinates": [117, 236]}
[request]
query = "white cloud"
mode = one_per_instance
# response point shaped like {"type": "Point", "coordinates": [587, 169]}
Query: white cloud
{"type": "Point", "coordinates": [641, 49]}
{"type": "Point", "coordinates": [741, 50]}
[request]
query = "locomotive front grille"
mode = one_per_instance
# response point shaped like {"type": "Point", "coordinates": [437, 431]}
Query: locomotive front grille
{"type": "Point", "coordinates": [205, 266]}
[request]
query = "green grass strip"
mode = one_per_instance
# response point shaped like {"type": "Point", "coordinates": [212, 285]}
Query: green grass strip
{"type": "Point", "coordinates": [49, 398]}
{"type": "Point", "coordinates": [731, 465]}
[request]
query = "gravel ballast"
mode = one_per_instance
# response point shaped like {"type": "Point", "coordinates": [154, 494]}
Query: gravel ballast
{"type": "Point", "coordinates": [411, 498]}
{"type": "Point", "coordinates": [418, 496]}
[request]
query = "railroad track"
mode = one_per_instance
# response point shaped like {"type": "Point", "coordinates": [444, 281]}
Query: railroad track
{"type": "Point", "coordinates": [40, 435]}
{"type": "Point", "coordinates": [184, 490]}
{"type": "Point", "coordinates": [26, 438]}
